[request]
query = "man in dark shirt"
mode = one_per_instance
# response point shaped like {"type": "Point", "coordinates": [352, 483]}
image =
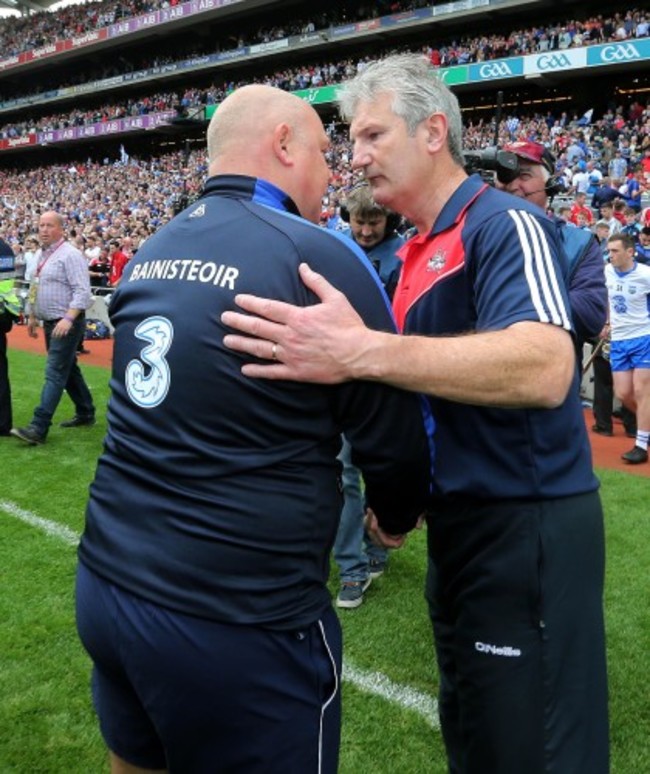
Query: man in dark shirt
{"type": "Point", "coordinates": [360, 560]}
{"type": "Point", "coordinates": [642, 250]}
{"type": "Point", "coordinates": [201, 592]}
{"type": "Point", "coordinates": [603, 194]}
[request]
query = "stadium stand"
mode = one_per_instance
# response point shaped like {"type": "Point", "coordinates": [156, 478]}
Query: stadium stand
{"type": "Point", "coordinates": [444, 53]}
{"type": "Point", "coordinates": [120, 56]}
{"type": "Point", "coordinates": [103, 106]}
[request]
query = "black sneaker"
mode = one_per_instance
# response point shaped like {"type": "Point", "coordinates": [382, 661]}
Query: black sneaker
{"type": "Point", "coordinates": [29, 435]}
{"type": "Point", "coordinates": [602, 430]}
{"type": "Point", "coordinates": [635, 456]}
{"type": "Point", "coordinates": [376, 568]}
{"type": "Point", "coordinates": [351, 593]}
{"type": "Point", "coordinates": [78, 421]}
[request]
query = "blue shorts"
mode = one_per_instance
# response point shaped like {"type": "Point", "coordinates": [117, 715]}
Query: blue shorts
{"type": "Point", "coordinates": [197, 696]}
{"type": "Point", "coordinates": [630, 353]}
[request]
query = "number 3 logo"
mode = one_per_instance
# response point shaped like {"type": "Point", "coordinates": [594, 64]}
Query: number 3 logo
{"type": "Point", "coordinates": [148, 388]}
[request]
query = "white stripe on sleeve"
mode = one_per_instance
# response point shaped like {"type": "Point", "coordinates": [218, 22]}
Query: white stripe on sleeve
{"type": "Point", "coordinates": [539, 270]}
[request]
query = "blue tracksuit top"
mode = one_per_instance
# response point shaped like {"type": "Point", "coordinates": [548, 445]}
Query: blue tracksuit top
{"type": "Point", "coordinates": [217, 495]}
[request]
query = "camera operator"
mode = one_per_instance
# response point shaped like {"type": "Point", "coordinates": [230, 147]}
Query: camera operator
{"type": "Point", "coordinates": [536, 182]}
{"type": "Point", "coordinates": [586, 277]}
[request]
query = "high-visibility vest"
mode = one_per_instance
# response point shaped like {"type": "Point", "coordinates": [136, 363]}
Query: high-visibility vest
{"type": "Point", "coordinates": [9, 301]}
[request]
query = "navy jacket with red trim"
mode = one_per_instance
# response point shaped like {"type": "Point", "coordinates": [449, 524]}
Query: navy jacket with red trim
{"type": "Point", "coordinates": [492, 260]}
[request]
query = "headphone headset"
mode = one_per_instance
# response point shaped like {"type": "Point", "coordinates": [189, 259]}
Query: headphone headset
{"type": "Point", "coordinates": [554, 185]}
{"type": "Point", "coordinates": [393, 220]}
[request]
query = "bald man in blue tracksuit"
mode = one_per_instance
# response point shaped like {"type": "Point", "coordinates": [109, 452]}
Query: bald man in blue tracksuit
{"type": "Point", "coordinates": [201, 594]}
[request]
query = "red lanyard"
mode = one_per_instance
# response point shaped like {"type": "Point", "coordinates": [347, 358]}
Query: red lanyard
{"type": "Point", "coordinates": [41, 264]}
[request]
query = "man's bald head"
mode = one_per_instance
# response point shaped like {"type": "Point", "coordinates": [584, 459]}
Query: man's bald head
{"type": "Point", "coordinates": [264, 132]}
{"type": "Point", "coordinates": [246, 119]}
{"type": "Point", "coordinates": [51, 227]}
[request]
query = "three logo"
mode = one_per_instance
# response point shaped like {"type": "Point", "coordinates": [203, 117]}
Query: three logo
{"type": "Point", "coordinates": [148, 377]}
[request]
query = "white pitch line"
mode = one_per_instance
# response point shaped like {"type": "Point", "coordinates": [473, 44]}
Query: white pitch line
{"type": "Point", "coordinates": [49, 527]}
{"type": "Point", "coordinates": [374, 683]}
{"type": "Point", "coordinates": [378, 684]}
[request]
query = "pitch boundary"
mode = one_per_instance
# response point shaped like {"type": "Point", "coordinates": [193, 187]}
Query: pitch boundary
{"type": "Point", "coordinates": [373, 683]}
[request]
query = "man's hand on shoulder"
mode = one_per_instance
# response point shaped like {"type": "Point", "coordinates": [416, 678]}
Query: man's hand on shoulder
{"type": "Point", "coordinates": [316, 343]}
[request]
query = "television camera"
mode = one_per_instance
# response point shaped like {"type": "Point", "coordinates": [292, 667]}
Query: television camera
{"type": "Point", "coordinates": [491, 163]}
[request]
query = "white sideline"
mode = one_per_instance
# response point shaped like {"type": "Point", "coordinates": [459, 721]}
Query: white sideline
{"type": "Point", "coordinates": [374, 683]}
{"type": "Point", "coordinates": [378, 684]}
{"type": "Point", "coordinates": [49, 527]}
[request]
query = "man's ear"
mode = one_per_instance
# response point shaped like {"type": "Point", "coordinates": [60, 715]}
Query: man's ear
{"type": "Point", "coordinates": [282, 137]}
{"type": "Point", "coordinates": [436, 127]}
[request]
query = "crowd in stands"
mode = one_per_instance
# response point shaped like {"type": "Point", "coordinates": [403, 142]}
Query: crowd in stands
{"type": "Point", "coordinates": [154, 103]}
{"type": "Point", "coordinates": [103, 200]}
{"type": "Point", "coordinates": [595, 29]}
{"type": "Point", "coordinates": [129, 198]}
{"type": "Point", "coordinates": [25, 33]}
{"type": "Point", "coordinates": [324, 74]}
{"type": "Point", "coordinates": [113, 200]}
{"type": "Point", "coordinates": [40, 29]}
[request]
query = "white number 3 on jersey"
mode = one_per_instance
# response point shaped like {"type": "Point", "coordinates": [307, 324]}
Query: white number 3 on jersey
{"type": "Point", "coordinates": [148, 384]}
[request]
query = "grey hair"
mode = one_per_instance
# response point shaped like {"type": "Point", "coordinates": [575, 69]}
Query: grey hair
{"type": "Point", "coordinates": [359, 202]}
{"type": "Point", "coordinates": [418, 92]}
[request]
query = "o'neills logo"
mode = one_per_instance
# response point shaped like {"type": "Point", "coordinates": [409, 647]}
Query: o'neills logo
{"type": "Point", "coordinates": [45, 51]}
{"type": "Point", "coordinates": [83, 40]}
{"type": "Point", "coordinates": [497, 650]}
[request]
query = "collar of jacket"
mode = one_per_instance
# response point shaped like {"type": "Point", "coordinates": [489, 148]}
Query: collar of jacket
{"type": "Point", "coordinates": [254, 189]}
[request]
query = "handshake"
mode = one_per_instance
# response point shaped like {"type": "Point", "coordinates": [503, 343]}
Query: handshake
{"type": "Point", "coordinates": [381, 538]}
